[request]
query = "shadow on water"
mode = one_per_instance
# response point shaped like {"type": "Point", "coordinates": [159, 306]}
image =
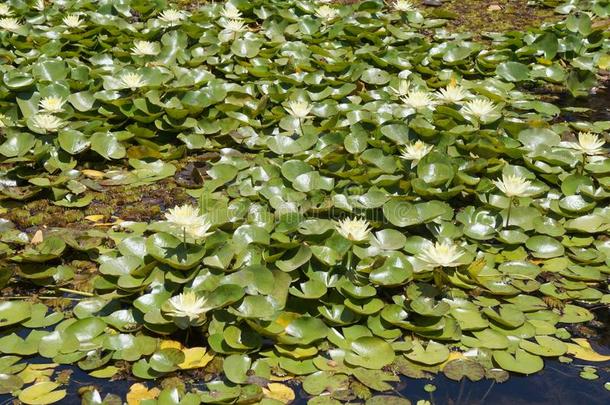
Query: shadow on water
{"type": "Point", "coordinates": [597, 104]}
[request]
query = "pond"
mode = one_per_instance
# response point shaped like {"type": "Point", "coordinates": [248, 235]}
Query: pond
{"type": "Point", "coordinates": [310, 202]}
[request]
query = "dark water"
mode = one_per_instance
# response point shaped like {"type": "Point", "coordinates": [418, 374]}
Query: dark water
{"type": "Point", "coordinates": [557, 384]}
{"type": "Point", "coordinates": [597, 103]}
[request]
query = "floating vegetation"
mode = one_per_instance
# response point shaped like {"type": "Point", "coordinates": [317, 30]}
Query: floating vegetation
{"type": "Point", "coordinates": [222, 200]}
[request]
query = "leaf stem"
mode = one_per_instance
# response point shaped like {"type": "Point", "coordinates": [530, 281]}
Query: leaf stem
{"type": "Point", "coordinates": [349, 260]}
{"type": "Point", "coordinates": [510, 205]}
{"type": "Point", "coordinates": [70, 291]}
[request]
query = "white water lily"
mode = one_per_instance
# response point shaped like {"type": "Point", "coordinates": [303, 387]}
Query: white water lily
{"type": "Point", "coordinates": [453, 93]}
{"type": "Point", "coordinates": [479, 108]}
{"type": "Point", "coordinates": [144, 48]}
{"type": "Point", "coordinates": [588, 143]}
{"type": "Point", "coordinates": [415, 152]}
{"type": "Point", "coordinates": [234, 25]}
{"type": "Point", "coordinates": [172, 16]}
{"type": "Point", "coordinates": [186, 305]}
{"type": "Point", "coordinates": [513, 185]}
{"type": "Point", "coordinates": [188, 219]}
{"type": "Point", "coordinates": [418, 99]}
{"type": "Point", "coordinates": [327, 13]}
{"type": "Point", "coordinates": [298, 109]}
{"type": "Point", "coordinates": [5, 10]}
{"type": "Point", "coordinates": [354, 229]}
{"type": "Point", "coordinates": [72, 21]}
{"type": "Point", "coordinates": [39, 5]}
{"type": "Point", "coordinates": [10, 24]}
{"type": "Point", "coordinates": [403, 5]}
{"type": "Point", "coordinates": [404, 86]}
{"type": "Point", "coordinates": [47, 122]}
{"type": "Point", "coordinates": [132, 80]}
{"type": "Point", "coordinates": [51, 104]}
{"type": "Point", "coordinates": [442, 255]}
{"type": "Point", "coordinates": [231, 12]}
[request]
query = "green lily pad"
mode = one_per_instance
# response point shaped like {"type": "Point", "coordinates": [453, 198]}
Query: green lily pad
{"type": "Point", "coordinates": [521, 362]}
{"type": "Point", "coordinates": [12, 312]}
{"type": "Point", "coordinates": [172, 251]}
{"type": "Point", "coordinates": [41, 393]}
{"type": "Point", "coordinates": [370, 352]}
{"type": "Point", "coordinates": [432, 353]}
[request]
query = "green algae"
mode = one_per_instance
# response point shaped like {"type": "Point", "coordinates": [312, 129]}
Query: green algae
{"type": "Point", "coordinates": [142, 203]}
{"type": "Point", "coordinates": [481, 16]}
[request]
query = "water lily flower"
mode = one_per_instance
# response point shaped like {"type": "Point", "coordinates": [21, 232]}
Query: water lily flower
{"type": "Point", "coordinates": [231, 12]}
{"type": "Point", "coordinates": [72, 21]}
{"type": "Point", "coordinates": [588, 143]}
{"type": "Point", "coordinates": [418, 99]}
{"type": "Point", "coordinates": [39, 5]}
{"type": "Point", "coordinates": [298, 109]}
{"type": "Point", "coordinates": [5, 10]}
{"type": "Point", "coordinates": [453, 93]}
{"type": "Point", "coordinates": [403, 5]}
{"type": "Point", "coordinates": [513, 185]}
{"type": "Point", "coordinates": [188, 219]}
{"type": "Point", "coordinates": [234, 25]}
{"type": "Point", "coordinates": [187, 305]}
{"type": "Point", "coordinates": [442, 255]}
{"type": "Point", "coordinates": [51, 104]}
{"type": "Point", "coordinates": [47, 122]}
{"type": "Point", "coordinates": [404, 86]}
{"type": "Point", "coordinates": [172, 16]}
{"type": "Point", "coordinates": [132, 80]}
{"type": "Point", "coordinates": [479, 108]}
{"type": "Point", "coordinates": [10, 24]}
{"type": "Point", "coordinates": [3, 120]}
{"type": "Point", "coordinates": [354, 229]}
{"type": "Point", "coordinates": [327, 13]}
{"type": "Point", "coordinates": [415, 152]}
{"type": "Point", "coordinates": [144, 48]}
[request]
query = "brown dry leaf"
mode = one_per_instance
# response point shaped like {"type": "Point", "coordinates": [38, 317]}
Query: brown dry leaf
{"type": "Point", "coordinates": [195, 357]}
{"type": "Point", "coordinates": [93, 174]}
{"type": "Point", "coordinates": [582, 350]}
{"type": "Point", "coordinates": [37, 238]}
{"type": "Point", "coordinates": [279, 392]}
{"type": "Point", "coordinates": [139, 392]}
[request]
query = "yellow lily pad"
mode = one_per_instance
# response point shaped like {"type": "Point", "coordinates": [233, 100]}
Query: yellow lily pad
{"type": "Point", "coordinates": [582, 350]}
{"type": "Point", "coordinates": [42, 393]}
{"type": "Point", "coordinates": [195, 357]}
{"type": "Point", "coordinates": [279, 392]}
{"type": "Point", "coordinates": [139, 392]}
